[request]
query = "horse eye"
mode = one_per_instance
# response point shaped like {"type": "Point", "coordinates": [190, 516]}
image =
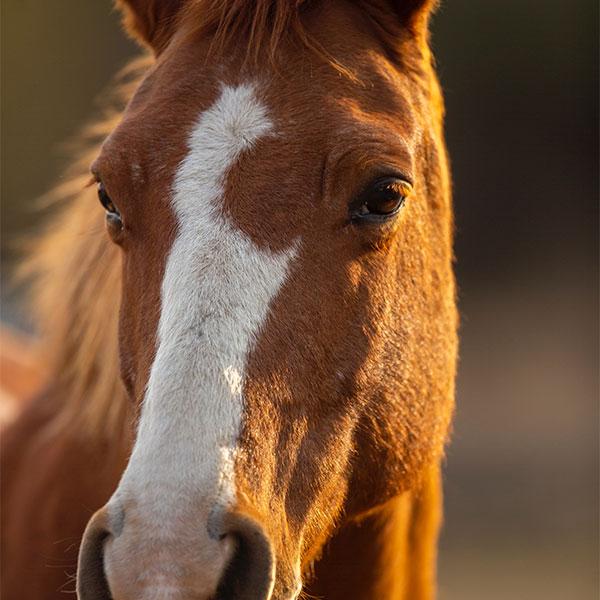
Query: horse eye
{"type": "Point", "coordinates": [382, 199]}
{"type": "Point", "coordinates": [106, 202]}
{"type": "Point", "coordinates": [114, 224]}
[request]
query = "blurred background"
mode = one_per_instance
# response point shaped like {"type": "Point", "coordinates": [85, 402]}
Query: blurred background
{"type": "Point", "coordinates": [521, 84]}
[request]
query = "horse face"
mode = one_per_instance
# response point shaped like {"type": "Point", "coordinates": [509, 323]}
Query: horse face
{"type": "Point", "coordinates": [287, 320]}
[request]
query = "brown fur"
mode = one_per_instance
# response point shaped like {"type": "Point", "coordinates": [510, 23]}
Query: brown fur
{"type": "Point", "coordinates": [339, 455]}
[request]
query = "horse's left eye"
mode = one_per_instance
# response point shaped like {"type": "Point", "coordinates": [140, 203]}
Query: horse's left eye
{"type": "Point", "coordinates": [381, 200]}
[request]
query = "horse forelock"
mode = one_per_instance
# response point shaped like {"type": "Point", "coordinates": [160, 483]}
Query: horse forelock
{"type": "Point", "coordinates": [264, 25]}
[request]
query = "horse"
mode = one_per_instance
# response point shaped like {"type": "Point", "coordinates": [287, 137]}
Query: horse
{"type": "Point", "coordinates": [248, 316]}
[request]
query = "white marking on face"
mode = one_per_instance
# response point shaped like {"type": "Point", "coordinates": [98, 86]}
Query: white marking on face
{"type": "Point", "coordinates": [216, 293]}
{"type": "Point", "coordinates": [234, 379]}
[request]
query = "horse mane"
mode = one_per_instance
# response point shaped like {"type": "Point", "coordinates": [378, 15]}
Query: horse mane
{"type": "Point", "coordinates": [75, 275]}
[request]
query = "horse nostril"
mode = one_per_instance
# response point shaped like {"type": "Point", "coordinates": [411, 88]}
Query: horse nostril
{"type": "Point", "coordinates": [91, 581]}
{"type": "Point", "coordinates": [251, 573]}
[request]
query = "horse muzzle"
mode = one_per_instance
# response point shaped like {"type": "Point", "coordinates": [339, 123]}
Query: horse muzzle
{"type": "Point", "coordinates": [120, 560]}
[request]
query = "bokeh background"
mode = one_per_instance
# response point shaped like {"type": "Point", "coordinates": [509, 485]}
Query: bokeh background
{"type": "Point", "coordinates": [521, 83]}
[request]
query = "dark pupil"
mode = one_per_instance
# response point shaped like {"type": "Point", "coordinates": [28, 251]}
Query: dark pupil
{"type": "Point", "coordinates": [105, 200]}
{"type": "Point", "coordinates": [384, 199]}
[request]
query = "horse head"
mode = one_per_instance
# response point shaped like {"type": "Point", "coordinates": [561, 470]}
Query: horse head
{"type": "Point", "coordinates": [279, 191]}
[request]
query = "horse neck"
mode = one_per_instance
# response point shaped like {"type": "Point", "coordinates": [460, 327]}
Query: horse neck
{"type": "Point", "coordinates": [389, 554]}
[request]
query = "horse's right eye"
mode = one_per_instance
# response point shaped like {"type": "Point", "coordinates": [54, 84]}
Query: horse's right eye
{"type": "Point", "coordinates": [106, 202]}
{"type": "Point", "coordinates": [114, 222]}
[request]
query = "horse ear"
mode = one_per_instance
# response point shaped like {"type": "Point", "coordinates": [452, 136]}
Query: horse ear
{"type": "Point", "coordinates": [415, 13]}
{"type": "Point", "coordinates": [151, 22]}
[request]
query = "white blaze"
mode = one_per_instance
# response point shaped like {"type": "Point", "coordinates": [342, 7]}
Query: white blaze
{"type": "Point", "coordinates": [216, 293]}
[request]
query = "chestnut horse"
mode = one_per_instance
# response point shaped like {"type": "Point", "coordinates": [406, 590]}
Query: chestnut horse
{"type": "Point", "coordinates": [273, 280]}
